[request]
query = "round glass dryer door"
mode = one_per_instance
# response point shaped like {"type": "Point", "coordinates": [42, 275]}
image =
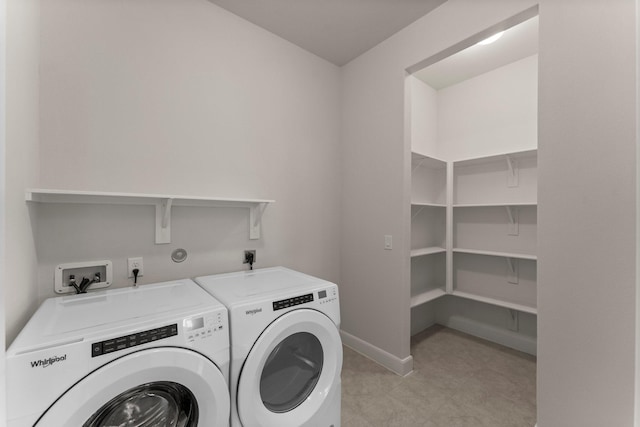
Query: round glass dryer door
{"type": "Point", "coordinates": [163, 386]}
{"type": "Point", "coordinates": [292, 369]}
{"type": "Point", "coordinates": [291, 372]}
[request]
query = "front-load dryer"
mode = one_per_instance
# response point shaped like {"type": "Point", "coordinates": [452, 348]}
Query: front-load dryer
{"type": "Point", "coordinates": [155, 355]}
{"type": "Point", "coordinates": [286, 352]}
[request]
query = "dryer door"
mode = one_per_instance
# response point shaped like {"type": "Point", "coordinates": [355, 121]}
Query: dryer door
{"type": "Point", "coordinates": [291, 372]}
{"type": "Point", "coordinates": [166, 386]}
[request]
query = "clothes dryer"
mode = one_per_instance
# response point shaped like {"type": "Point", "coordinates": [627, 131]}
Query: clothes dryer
{"type": "Point", "coordinates": [286, 352]}
{"type": "Point", "coordinates": [147, 356]}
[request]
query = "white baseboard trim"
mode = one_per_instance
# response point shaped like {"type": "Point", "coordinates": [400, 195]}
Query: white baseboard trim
{"type": "Point", "coordinates": [490, 333]}
{"type": "Point", "coordinates": [399, 366]}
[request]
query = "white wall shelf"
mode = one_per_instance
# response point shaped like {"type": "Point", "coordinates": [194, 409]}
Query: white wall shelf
{"type": "Point", "coordinates": [491, 205]}
{"type": "Point", "coordinates": [162, 202]}
{"type": "Point", "coordinates": [496, 254]}
{"type": "Point", "coordinates": [431, 205]}
{"type": "Point", "coordinates": [498, 157]}
{"type": "Point", "coordinates": [503, 179]}
{"type": "Point", "coordinates": [427, 296]}
{"type": "Point", "coordinates": [427, 251]}
{"type": "Point", "coordinates": [428, 180]}
{"type": "Point", "coordinates": [419, 159]}
{"type": "Point", "coordinates": [496, 302]}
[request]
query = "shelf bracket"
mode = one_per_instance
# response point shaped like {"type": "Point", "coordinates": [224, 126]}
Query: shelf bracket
{"type": "Point", "coordinates": [255, 220]}
{"type": "Point", "coordinates": [163, 221]}
{"type": "Point", "coordinates": [417, 213]}
{"type": "Point", "coordinates": [418, 165]}
{"type": "Point", "coordinates": [512, 271]}
{"type": "Point", "coordinates": [512, 173]}
{"type": "Point", "coordinates": [512, 213]}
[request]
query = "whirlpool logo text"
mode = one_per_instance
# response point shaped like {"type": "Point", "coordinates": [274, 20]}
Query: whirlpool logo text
{"type": "Point", "coordinates": [254, 311]}
{"type": "Point", "coordinates": [45, 363]}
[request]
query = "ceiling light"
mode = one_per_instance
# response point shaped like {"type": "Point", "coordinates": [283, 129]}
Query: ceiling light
{"type": "Point", "coordinates": [491, 39]}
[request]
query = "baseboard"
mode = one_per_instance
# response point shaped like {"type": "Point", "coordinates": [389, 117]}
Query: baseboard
{"type": "Point", "coordinates": [501, 336]}
{"type": "Point", "coordinates": [399, 366]}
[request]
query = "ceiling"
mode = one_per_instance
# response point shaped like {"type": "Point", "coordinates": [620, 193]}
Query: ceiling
{"type": "Point", "coordinates": [518, 42]}
{"type": "Point", "coordinates": [336, 30]}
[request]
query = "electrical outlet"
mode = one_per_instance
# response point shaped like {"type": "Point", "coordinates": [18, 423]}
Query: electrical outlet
{"type": "Point", "coordinates": [246, 256]}
{"type": "Point", "coordinates": [135, 263]}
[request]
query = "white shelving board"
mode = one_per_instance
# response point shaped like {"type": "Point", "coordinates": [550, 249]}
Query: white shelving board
{"type": "Point", "coordinates": [428, 180]}
{"type": "Point", "coordinates": [428, 204]}
{"type": "Point", "coordinates": [498, 157]}
{"type": "Point", "coordinates": [429, 161]}
{"type": "Point", "coordinates": [492, 205]}
{"type": "Point", "coordinates": [427, 296]}
{"type": "Point", "coordinates": [427, 251]}
{"type": "Point", "coordinates": [508, 179]}
{"type": "Point", "coordinates": [496, 302]}
{"type": "Point", "coordinates": [494, 253]}
{"type": "Point", "coordinates": [162, 202]}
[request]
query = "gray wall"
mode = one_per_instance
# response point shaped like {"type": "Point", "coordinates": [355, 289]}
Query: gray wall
{"type": "Point", "coordinates": [182, 97]}
{"type": "Point", "coordinates": [376, 182]}
{"type": "Point", "coordinates": [22, 166]}
{"type": "Point", "coordinates": [587, 213]}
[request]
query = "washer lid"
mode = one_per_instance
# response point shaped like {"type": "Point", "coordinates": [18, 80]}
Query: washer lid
{"type": "Point", "coordinates": [248, 286]}
{"type": "Point", "coordinates": [79, 315]}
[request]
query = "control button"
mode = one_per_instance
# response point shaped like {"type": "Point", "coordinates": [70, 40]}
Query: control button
{"type": "Point", "coordinates": [96, 349]}
{"type": "Point", "coordinates": [108, 348]}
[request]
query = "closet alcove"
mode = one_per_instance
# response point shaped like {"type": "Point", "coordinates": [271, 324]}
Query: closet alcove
{"type": "Point", "coordinates": [473, 222]}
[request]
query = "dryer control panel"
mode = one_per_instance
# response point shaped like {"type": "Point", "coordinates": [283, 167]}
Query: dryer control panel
{"type": "Point", "coordinates": [290, 302]}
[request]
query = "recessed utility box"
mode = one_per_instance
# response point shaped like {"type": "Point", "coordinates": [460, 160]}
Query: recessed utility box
{"type": "Point", "coordinates": [80, 270]}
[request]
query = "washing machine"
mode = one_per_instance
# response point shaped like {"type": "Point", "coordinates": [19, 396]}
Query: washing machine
{"type": "Point", "coordinates": [154, 355]}
{"type": "Point", "coordinates": [286, 352]}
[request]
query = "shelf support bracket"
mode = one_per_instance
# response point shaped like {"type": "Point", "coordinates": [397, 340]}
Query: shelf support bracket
{"type": "Point", "coordinates": [163, 221]}
{"type": "Point", "coordinates": [512, 271]}
{"type": "Point", "coordinates": [512, 173]}
{"type": "Point", "coordinates": [417, 213]}
{"type": "Point", "coordinates": [413, 169]}
{"type": "Point", "coordinates": [255, 220]}
{"type": "Point", "coordinates": [512, 213]}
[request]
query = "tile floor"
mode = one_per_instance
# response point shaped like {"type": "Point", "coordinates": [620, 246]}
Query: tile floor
{"type": "Point", "coordinates": [458, 381]}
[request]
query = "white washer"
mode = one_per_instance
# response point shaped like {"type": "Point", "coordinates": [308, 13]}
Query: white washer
{"type": "Point", "coordinates": [157, 352]}
{"type": "Point", "coordinates": [286, 352]}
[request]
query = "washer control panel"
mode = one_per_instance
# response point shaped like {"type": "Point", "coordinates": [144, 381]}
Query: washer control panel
{"type": "Point", "coordinates": [202, 327]}
{"type": "Point", "coordinates": [133, 340]}
{"type": "Point", "coordinates": [327, 296]}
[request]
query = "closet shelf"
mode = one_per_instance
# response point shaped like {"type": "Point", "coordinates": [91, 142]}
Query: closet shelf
{"type": "Point", "coordinates": [429, 161]}
{"type": "Point", "coordinates": [493, 253]}
{"type": "Point", "coordinates": [496, 157]}
{"type": "Point", "coordinates": [497, 302]}
{"type": "Point", "coordinates": [427, 251]}
{"type": "Point", "coordinates": [427, 296]}
{"type": "Point", "coordinates": [429, 204]}
{"type": "Point", "coordinates": [491, 205]}
{"type": "Point", "coordinates": [162, 202]}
